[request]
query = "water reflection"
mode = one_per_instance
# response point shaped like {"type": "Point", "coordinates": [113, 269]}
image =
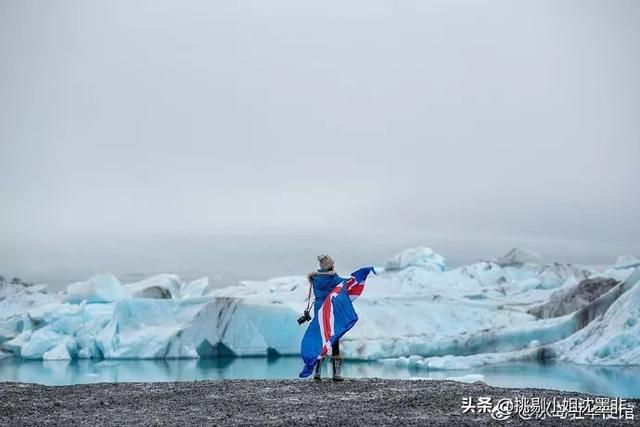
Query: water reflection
{"type": "Point", "coordinates": [612, 381]}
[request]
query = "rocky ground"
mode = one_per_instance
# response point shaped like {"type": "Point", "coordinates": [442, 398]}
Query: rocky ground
{"type": "Point", "coordinates": [267, 402]}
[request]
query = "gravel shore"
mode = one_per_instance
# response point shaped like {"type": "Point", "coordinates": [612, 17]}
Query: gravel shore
{"type": "Point", "coordinates": [268, 402]}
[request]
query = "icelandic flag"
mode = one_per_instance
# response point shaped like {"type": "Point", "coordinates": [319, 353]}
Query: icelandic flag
{"type": "Point", "coordinates": [335, 317]}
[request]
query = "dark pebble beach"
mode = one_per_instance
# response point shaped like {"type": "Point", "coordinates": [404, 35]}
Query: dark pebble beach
{"type": "Point", "coordinates": [271, 402]}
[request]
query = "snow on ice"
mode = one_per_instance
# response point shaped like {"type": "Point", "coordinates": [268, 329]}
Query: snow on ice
{"type": "Point", "coordinates": [416, 313]}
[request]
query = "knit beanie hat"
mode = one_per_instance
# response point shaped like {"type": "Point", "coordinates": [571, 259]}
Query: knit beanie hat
{"type": "Point", "coordinates": [326, 262]}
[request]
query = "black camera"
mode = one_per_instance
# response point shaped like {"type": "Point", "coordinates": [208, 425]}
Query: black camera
{"type": "Point", "coordinates": [305, 317]}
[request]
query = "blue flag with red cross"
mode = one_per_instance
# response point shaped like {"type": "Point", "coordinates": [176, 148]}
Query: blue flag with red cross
{"type": "Point", "coordinates": [335, 317]}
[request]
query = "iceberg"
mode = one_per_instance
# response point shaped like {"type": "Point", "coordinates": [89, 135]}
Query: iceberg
{"type": "Point", "coordinates": [574, 296]}
{"type": "Point", "coordinates": [627, 261]}
{"type": "Point", "coordinates": [612, 338]}
{"type": "Point", "coordinates": [161, 286]}
{"type": "Point", "coordinates": [195, 288]}
{"type": "Point", "coordinates": [417, 312]}
{"type": "Point", "coordinates": [517, 257]}
{"type": "Point", "coordinates": [421, 257]}
{"type": "Point", "coordinates": [16, 297]}
{"type": "Point", "coordinates": [99, 288]}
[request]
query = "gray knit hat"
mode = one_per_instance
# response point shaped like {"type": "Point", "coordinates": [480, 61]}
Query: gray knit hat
{"type": "Point", "coordinates": [326, 262]}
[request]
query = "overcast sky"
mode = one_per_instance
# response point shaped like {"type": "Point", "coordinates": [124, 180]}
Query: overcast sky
{"type": "Point", "coordinates": [513, 122]}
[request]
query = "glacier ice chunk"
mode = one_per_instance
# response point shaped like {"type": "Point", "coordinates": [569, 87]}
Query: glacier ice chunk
{"type": "Point", "coordinates": [98, 288]}
{"type": "Point", "coordinates": [627, 261]}
{"type": "Point", "coordinates": [40, 342]}
{"type": "Point", "coordinates": [161, 286]}
{"type": "Point", "coordinates": [611, 339]}
{"type": "Point", "coordinates": [571, 298]}
{"type": "Point", "coordinates": [517, 257]}
{"type": "Point", "coordinates": [421, 257]}
{"type": "Point", "coordinates": [60, 351]}
{"type": "Point", "coordinates": [195, 289]}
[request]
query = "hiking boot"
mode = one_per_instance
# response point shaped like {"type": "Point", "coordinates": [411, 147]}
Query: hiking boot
{"type": "Point", "coordinates": [336, 361]}
{"type": "Point", "coordinates": [316, 371]}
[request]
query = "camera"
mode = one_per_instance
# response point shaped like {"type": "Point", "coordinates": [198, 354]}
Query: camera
{"type": "Point", "coordinates": [305, 317]}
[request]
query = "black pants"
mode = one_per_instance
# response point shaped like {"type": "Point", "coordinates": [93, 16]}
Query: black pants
{"type": "Point", "coordinates": [335, 349]}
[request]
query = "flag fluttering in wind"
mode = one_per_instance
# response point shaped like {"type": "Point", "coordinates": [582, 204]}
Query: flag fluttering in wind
{"type": "Point", "coordinates": [335, 317]}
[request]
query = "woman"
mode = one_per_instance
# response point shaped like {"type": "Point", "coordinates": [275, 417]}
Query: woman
{"type": "Point", "coordinates": [322, 282]}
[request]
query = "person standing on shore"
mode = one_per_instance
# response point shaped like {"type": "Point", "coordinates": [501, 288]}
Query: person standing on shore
{"type": "Point", "coordinates": [322, 282]}
{"type": "Point", "coordinates": [334, 316]}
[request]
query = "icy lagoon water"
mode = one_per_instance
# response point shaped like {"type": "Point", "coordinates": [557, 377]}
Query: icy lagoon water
{"type": "Point", "coordinates": [610, 381]}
